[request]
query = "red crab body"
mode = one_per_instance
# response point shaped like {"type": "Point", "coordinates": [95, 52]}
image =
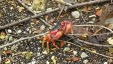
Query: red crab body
{"type": "Point", "coordinates": [53, 35]}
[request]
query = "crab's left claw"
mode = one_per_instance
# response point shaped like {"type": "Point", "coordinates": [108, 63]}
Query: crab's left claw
{"type": "Point", "coordinates": [68, 28]}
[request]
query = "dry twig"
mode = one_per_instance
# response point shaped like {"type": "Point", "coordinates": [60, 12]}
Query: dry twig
{"type": "Point", "coordinates": [94, 26]}
{"type": "Point", "coordinates": [21, 39]}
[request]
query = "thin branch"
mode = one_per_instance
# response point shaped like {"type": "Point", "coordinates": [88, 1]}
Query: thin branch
{"type": "Point", "coordinates": [93, 44]}
{"type": "Point", "coordinates": [54, 10]}
{"type": "Point", "coordinates": [21, 39]}
{"type": "Point", "coordinates": [90, 50]}
{"type": "Point", "coordinates": [90, 35]}
{"type": "Point", "coordinates": [94, 26]}
{"type": "Point", "coordinates": [33, 13]}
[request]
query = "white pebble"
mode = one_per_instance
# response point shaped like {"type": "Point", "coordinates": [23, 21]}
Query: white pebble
{"type": "Point", "coordinates": [66, 49]}
{"type": "Point", "coordinates": [49, 9]}
{"type": "Point", "coordinates": [74, 52]}
{"type": "Point", "coordinates": [19, 31]}
{"type": "Point", "coordinates": [85, 61]}
{"type": "Point", "coordinates": [68, 44]}
{"type": "Point", "coordinates": [75, 14]}
{"type": "Point", "coordinates": [9, 31]}
{"type": "Point", "coordinates": [47, 62]}
{"type": "Point", "coordinates": [45, 52]}
{"type": "Point", "coordinates": [84, 55]}
{"type": "Point", "coordinates": [105, 62]}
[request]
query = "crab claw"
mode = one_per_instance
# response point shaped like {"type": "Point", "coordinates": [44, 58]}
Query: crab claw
{"type": "Point", "coordinates": [66, 26]}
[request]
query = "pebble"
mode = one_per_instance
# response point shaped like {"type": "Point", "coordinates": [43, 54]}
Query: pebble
{"type": "Point", "coordinates": [9, 31]}
{"type": "Point", "coordinates": [53, 59]}
{"type": "Point", "coordinates": [105, 62]}
{"type": "Point", "coordinates": [27, 29]}
{"type": "Point", "coordinates": [75, 14]}
{"type": "Point", "coordinates": [85, 61]}
{"type": "Point", "coordinates": [19, 31]}
{"type": "Point", "coordinates": [10, 38]}
{"type": "Point", "coordinates": [33, 61]}
{"type": "Point", "coordinates": [42, 27]}
{"type": "Point", "coordinates": [66, 49]}
{"type": "Point", "coordinates": [45, 52]}
{"type": "Point", "coordinates": [38, 54]}
{"type": "Point", "coordinates": [75, 52]}
{"type": "Point", "coordinates": [92, 16]}
{"type": "Point", "coordinates": [84, 55]}
{"type": "Point", "coordinates": [47, 62]}
{"type": "Point", "coordinates": [68, 44]}
{"type": "Point", "coordinates": [49, 9]}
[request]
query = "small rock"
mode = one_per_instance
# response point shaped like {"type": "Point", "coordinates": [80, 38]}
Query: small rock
{"type": "Point", "coordinates": [68, 44]}
{"type": "Point", "coordinates": [66, 49]}
{"type": "Point", "coordinates": [42, 27]}
{"type": "Point", "coordinates": [84, 55]}
{"type": "Point", "coordinates": [53, 58]}
{"type": "Point", "coordinates": [75, 52]}
{"type": "Point", "coordinates": [37, 11]}
{"type": "Point", "coordinates": [49, 9]}
{"type": "Point", "coordinates": [45, 52]}
{"type": "Point", "coordinates": [33, 61]}
{"type": "Point", "coordinates": [75, 14]}
{"type": "Point", "coordinates": [47, 62]}
{"type": "Point", "coordinates": [105, 62]}
{"type": "Point", "coordinates": [38, 54]}
{"type": "Point", "coordinates": [19, 31]}
{"type": "Point", "coordinates": [92, 16]}
{"type": "Point", "coordinates": [10, 38]}
{"type": "Point", "coordinates": [9, 31]}
{"type": "Point", "coordinates": [5, 48]}
{"type": "Point", "coordinates": [27, 29]}
{"type": "Point", "coordinates": [85, 61]}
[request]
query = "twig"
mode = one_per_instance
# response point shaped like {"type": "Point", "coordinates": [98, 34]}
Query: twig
{"type": "Point", "coordinates": [21, 39]}
{"type": "Point", "coordinates": [33, 13]}
{"type": "Point", "coordinates": [94, 26]}
{"type": "Point", "coordinates": [93, 44]}
{"type": "Point", "coordinates": [90, 50]}
{"type": "Point", "coordinates": [54, 10]}
{"type": "Point", "coordinates": [90, 35]}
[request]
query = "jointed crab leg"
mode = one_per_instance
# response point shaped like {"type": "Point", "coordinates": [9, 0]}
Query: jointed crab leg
{"type": "Point", "coordinates": [53, 42]}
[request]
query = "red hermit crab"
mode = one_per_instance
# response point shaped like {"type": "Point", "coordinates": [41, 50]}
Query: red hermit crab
{"type": "Point", "coordinates": [65, 27]}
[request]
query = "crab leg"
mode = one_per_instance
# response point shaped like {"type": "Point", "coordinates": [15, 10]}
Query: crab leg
{"type": "Point", "coordinates": [54, 44]}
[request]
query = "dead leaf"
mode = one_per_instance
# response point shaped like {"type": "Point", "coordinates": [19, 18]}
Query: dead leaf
{"type": "Point", "coordinates": [7, 61]}
{"type": "Point", "coordinates": [38, 5]}
{"type": "Point", "coordinates": [21, 9]}
{"type": "Point", "coordinates": [26, 1]}
{"type": "Point", "coordinates": [110, 50]}
{"type": "Point", "coordinates": [73, 58]}
{"type": "Point", "coordinates": [110, 40]}
{"type": "Point", "coordinates": [98, 12]}
{"type": "Point", "coordinates": [2, 35]}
